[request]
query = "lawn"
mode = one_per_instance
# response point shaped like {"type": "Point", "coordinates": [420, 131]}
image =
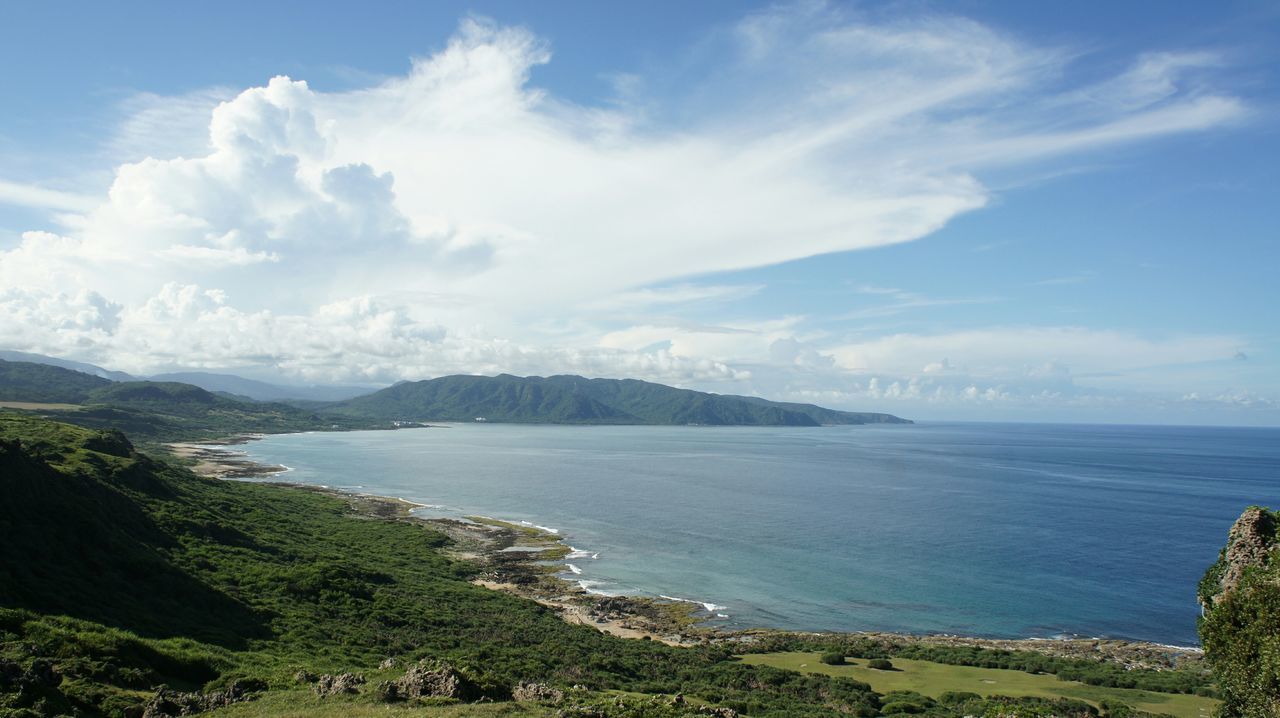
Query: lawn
{"type": "Point", "coordinates": [932, 679]}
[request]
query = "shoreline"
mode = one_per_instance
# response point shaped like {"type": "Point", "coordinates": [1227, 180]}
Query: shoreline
{"type": "Point", "coordinates": [526, 561]}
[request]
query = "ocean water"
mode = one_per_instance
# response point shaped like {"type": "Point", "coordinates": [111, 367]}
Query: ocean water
{"type": "Point", "coordinates": [983, 529]}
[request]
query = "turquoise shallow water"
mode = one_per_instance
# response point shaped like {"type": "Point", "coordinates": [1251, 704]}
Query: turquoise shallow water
{"type": "Point", "coordinates": [986, 529]}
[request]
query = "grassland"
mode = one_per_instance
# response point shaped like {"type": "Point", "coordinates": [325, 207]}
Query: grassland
{"type": "Point", "coordinates": [302, 704]}
{"type": "Point", "coordinates": [933, 679]}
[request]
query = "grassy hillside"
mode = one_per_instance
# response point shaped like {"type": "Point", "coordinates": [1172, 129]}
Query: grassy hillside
{"type": "Point", "coordinates": [121, 573]}
{"type": "Point", "coordinates": [576, 400]}
{"type": "Point", "coordinates": [155, 411]}
{"type": "Point", "coordinates": [26, 381]}
{"type": "Point", "coordinates": [501, 398]}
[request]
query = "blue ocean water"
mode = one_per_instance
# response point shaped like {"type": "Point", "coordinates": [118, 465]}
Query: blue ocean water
{"type": "Point", "coordinates": [1025, 530]}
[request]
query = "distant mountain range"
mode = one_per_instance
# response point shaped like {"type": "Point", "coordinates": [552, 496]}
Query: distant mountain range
{"type": "Point", "coordinates": [261, 390]}
{"type": "Point", "coordinates": [224, 402]}
{"type": "Point", "coordinates": [210, 381]}
{"type": "Point", "coordinates": [9, 355]}
{"type": "Point", "coordinates": [153, 411]}
{"type": "Point", "coordinates": [576, 400]}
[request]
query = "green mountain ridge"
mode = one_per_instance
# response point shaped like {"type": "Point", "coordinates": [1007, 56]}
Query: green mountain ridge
{"type": "Point", "coordinates": [572, 399]}
{"type": "Point", "coordinates": [172, 409]}
{"type": "Point", "coordinates": [28, 381]}
{"type": "Point", "coordinates": [156, 411]}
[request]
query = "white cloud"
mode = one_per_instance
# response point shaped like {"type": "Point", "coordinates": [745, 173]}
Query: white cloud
{"type": "Point", "coordinates": [431, 222]}
{"type": "Point", "coordinates": [1020, 352]}
{"type": "Point", "coordinates": [37, 197]}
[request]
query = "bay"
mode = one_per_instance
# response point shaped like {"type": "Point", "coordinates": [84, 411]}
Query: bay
{"type": "Point", "coordinates": [1005, 530]}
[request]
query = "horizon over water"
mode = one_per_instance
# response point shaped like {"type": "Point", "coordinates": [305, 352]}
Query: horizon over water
{"type": "Point", "coordinates": [1005, 530]}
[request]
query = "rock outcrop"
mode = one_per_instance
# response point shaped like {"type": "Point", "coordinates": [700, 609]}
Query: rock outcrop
{"type": "Point", "coordinates": [327, 685]}
{"type": "Point", "coordinates": [1240, 631]}
{"type": "Point", "coordinates": [537, 692]}
{"type": "Point", "coordinates": [172, 704]}
{"type": "Point", "coordinates": [1250, 544]}
{"type": "Point", "coordinates": [429, 679]}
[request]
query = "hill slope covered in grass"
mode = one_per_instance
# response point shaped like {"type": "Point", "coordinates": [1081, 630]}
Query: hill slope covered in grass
{"type": "Point", "coordinates": [120, 573]}
{"type": "Point", "coordinates": [156, 411]}
{"type": "Point", "coordinates": [28, 381]}
{"type": "Point", "coordinates": [577, 400]}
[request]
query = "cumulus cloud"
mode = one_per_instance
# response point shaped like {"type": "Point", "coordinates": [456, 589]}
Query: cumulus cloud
{"type": "Point", "coordinates": [432, 222]}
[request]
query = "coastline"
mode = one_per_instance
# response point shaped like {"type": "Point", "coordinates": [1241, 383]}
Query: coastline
{"type": "Point", "coordinates": [527, 561]}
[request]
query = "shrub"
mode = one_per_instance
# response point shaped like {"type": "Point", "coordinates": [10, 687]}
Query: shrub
{"type": "Point", "coordinates": [881, 664]}
{"type": "Point", "coordinates": [832, 659]}
{"type": "Point", "coordinates": [950, 698]}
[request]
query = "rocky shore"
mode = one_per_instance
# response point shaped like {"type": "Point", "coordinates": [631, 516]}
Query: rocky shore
{"type": "Point", "coordinates": [523, 560]}
{"type": "Point", "coordinates": [214, 460]}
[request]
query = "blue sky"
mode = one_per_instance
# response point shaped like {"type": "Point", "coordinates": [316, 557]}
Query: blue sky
{"type": "Point", "coordinates": [988, 211]}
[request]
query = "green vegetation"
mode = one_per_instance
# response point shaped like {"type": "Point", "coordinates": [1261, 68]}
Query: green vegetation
{"type": "Point", "coordinates": [1093, 672]}
{"type": "Point", "coordinates": [1241, 625]}
{"type": "Point", "coordinates": [951, 685]}
{"type": "Point", "coordinates": [575, 400]}
{"type": "Point", "coordinates": [119, 573]}
{"type": "Point", "coordinates": [156, 411]}
{"type": "Point", "coordinates": [25, 381]}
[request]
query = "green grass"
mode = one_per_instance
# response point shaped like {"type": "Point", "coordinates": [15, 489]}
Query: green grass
{"type": "Point", "coordinates": [933, 679]}
{"type": "Point", "coordinates": [302, 704]}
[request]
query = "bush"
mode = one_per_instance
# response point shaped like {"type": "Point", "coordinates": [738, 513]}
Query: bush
{"type": "Point", "coordinates": [832, 659]}
{"type": "Point", "coordinates": [950, 698]}
{"type": "Point", "coordinates": [881, 664]}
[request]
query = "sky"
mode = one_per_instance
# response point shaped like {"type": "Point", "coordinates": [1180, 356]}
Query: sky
{"type": "Point", "coordinates": [971, 210]}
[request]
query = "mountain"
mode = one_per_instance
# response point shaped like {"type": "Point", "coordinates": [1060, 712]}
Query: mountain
{"type": "Point", "coordinates": [156, 411]}
{"type": "Point", "coordinates": [45, 383]}
{"type": "Point", "coordinates": [261, 390]}
{"type": "Point", "coordinates": [570, 399]}
{"type": "Point", "coordinates": [82, 367]}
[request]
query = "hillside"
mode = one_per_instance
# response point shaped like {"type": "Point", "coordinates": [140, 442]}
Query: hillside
{"type": "Point", "coordinates": [82, 367]}
{"type": "Point", "coordinates": [576, 400]}
{"type": "Point", "coordinates": [28, 381]}
{"type": "Point", "coordinates": [154, 411]}
{"type": "Point", "coordinates": [119, 574]}
{"type": "Point", "coordinates": [260, 390]}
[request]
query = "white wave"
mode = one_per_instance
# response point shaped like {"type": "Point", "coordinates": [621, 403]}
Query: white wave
{"type": "Point", "coordinates": [592, 587]}
{"type": "Point", "coordinates": [548, 529]}
{"type": "Point", "coordinates": [575, 552]}
{"type": "Point", "coordinates": [706, 605]}
{"type": "Point", "coordinates": [574, 569]}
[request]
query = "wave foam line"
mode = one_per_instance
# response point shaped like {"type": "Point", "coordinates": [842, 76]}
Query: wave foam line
{"type": "Point", "coordinates": [708, 606]}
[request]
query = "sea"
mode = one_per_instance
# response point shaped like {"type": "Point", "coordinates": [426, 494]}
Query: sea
{"type": "Point", "coordinates": [998, 530]}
